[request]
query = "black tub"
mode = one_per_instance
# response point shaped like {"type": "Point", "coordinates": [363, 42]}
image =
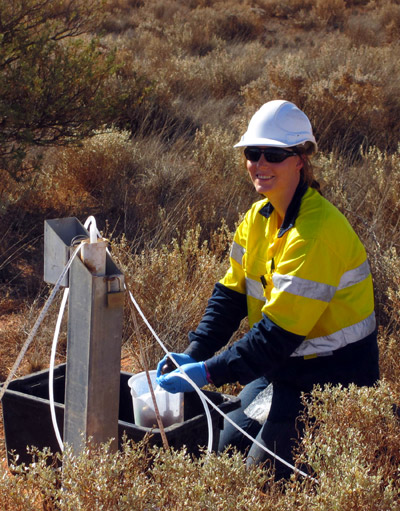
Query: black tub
{"type": "Point", "coordinates": [27, 418]}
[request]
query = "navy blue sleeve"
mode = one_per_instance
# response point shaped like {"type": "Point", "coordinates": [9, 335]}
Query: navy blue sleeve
{"type": "Point", "coordinates": [263, 351]}
{"type": "Point", "coordinates": [225, 310]}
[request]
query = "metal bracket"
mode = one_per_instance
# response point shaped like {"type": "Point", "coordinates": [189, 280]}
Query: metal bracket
{"type": "Point", "coordinates": [115, 298]}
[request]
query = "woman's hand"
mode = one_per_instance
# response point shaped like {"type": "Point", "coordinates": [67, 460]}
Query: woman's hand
{"type": "Point", "coordinates": [166, 365]}
{"type": "Point", "coordinates": [174, 382]}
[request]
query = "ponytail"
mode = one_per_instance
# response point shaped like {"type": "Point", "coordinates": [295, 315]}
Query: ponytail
{"type": "Point", "coordinates": [307, 172]}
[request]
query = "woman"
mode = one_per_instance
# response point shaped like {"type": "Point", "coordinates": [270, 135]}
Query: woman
{"type": "Point", "coordinates": [300, 274]}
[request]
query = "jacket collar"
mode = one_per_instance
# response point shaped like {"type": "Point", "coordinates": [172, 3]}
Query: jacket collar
{"type": "Point", "coordinates": [292, 211]}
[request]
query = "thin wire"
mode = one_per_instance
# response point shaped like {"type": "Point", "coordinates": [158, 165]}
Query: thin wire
{"type": "Point", "coordinates": [36, 325]}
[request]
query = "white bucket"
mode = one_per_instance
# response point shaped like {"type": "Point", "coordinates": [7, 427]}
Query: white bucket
{"type": "Point", "coordinates": [170, 406]}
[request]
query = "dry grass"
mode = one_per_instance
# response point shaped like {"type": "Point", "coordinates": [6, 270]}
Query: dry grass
{"type": "Point", "coordinates": [172, 284]}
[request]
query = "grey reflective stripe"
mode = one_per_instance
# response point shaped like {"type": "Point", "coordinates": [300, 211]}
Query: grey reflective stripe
{"type": "Point", "coordinates": [303, 287]}
{"type": "Point", "coordinates": [338, 339]}
{"type": "Point", "coordinates": [237, 252]}
{"type": "Point", "coordinates": [355, 276]}
{"type": "Point", "coordinates": [255, 289]}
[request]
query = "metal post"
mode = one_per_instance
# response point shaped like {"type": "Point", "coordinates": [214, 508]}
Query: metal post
{"type": "Point", "coordinates": [94, 350]}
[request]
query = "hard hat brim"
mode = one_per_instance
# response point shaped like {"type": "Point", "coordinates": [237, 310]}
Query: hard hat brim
{"type": "Point", "coordinates": [262, 142]}
{"type": "Point", "coordinates": [268, 142]}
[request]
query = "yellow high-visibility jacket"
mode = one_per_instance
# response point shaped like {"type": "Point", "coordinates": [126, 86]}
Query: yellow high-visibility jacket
{"type": "Point", "coordinates": [311, 276]}
{"type": "Point", "coordinates": [307, 291]}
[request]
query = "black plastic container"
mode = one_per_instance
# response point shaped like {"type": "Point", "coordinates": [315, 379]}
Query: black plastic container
{"type": "Point", "coordinates": [27, 417]}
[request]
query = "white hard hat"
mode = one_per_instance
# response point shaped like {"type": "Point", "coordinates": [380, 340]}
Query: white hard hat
{"type": "Point", "coordinates": [278, 123]}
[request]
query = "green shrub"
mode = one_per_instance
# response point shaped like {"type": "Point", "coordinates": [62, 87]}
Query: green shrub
{"type": "Point", "coordinates": [351, 442]}
{"type": "Point", "coordinates": [51, 81]}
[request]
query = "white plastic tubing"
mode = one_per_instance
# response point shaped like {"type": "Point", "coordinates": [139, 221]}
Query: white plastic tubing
{"type": "Point", "coordinates": [51, 369]}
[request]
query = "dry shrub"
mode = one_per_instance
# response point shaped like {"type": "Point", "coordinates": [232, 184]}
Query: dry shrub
{"type": "Point", "coordinates": [192, 35]}
{"type": "Point", "coordinates": [357, 3]}
{"type": "Point", "coordinates": [389, 359]}
{"type": "Point", "coordinates": [389, 17]}
{"type": "Point", "coordinates": [374, 25]}
{"type": "Point", "coordinates": [99, 479]}
{"type": "Point", "coordinates": [119, 15]}
{"type": "Point", "coordinates": [285, 8]}
{"type": "Point", "coordinates": [216, 482]}
{"type": "Point", "coordinates": [172, 285]}
{"type": "Point", "coordinates": [387, 284]}
{"type": "Point", "coordinates": [227, 21]}
{"type": "Point", "coordinates": [17, 321]}
{"type": "Point", "coordinates": [383, 172]}
{"type": "Point", "coordinates": [142, 187]}
{"type": "Point", "coordinates": [92, 176]}
{"type": "Point", "coordinates": [232, 21]}
{"type": "Point", "coordinates": [214, 73]}
{"type": "Point", "coordinates": [352, 443]}
{"type": "Point", "coordinates": [213, 153]}
{"type": "Point", "coordinates": [200, 31]}
{"type": "Point", "coordinates": [367, 190]}
{"type": "Point", "coordinates": [364, 29]}
{"type": "Point", "coordinates": [229, 187]}
{"type": "Point", "coordinates": [329, 12]}
{"type": "Point", "coordinates": [348, 93]}
{"type": "Point", "coordinates": [162, 12]}
{"type": "Point", "coordinates": [119, 180]}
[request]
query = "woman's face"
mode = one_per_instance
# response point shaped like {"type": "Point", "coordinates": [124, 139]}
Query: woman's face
{"type": "Point", "coordinates": [275, 180]}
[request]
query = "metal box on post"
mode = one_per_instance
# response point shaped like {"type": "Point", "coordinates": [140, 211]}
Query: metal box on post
{"type": "Point", "coordinates": [94, 336]}
{"type": "Point", "coordinates": [59, 235]}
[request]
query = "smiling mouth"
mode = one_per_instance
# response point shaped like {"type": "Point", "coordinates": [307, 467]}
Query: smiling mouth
{"type": "Point", "coordinates": [264, 178]}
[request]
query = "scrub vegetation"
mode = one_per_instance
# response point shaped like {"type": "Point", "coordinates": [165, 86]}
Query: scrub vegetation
{"type": "Point", "coordinates": [128, 110]}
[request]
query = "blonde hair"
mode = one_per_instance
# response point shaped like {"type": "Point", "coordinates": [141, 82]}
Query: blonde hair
{"type": "Point", "coordinates": [307, 172]}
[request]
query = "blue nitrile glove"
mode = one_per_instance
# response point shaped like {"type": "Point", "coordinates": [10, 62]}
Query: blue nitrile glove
{"type": "Point", "coordinates": [181, 359]}
{"type": "Point", "coordinates": [173, 383]}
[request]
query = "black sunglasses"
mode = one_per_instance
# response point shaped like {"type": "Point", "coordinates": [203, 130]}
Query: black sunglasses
{"type": "Point", "coordinates": [271, 154]}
